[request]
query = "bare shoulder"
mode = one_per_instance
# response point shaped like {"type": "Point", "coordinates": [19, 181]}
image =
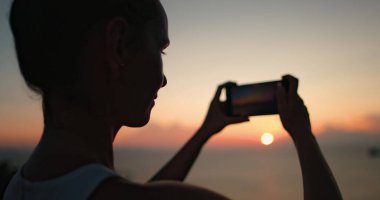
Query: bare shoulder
{"type": "Point", "coordinates": [118, 188]}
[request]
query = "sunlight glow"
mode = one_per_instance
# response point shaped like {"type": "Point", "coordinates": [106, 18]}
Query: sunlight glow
{"type": "Point", "coordinates": [267, 138]}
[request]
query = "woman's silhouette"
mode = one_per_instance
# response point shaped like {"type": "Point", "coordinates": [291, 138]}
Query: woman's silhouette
{"type": "Point", "coordinates": [97, 66]}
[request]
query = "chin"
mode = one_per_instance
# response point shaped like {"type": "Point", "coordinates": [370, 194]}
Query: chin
{"type": "Point", "coordinates": [137, 122]}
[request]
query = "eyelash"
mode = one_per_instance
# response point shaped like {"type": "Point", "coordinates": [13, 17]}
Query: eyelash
{"type": "Point", "coordinates": [163, 52]}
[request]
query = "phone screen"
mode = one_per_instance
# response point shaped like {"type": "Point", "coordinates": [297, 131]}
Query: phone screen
{"type": "Point", "coordinates": [252, 99]}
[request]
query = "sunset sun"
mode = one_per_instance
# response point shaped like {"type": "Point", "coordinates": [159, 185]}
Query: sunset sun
{"type": "Point", "coordinates": [267, 138]}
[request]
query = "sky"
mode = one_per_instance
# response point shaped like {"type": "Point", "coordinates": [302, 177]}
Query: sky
{"type": "Point", "coordinates": [332, 46]}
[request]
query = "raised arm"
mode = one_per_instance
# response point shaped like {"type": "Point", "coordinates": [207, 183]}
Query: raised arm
{"type": "Point", "coordinates": [318, 180]}
{"type": "Point", "coordinates": [179, 166]}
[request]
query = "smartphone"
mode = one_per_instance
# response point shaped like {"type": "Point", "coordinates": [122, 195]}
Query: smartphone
{"type": "Point", "coordinates": [253, 99]}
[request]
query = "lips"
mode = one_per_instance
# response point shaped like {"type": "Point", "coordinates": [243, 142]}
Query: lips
{"type": "Point", "coordinates": [153, 102]}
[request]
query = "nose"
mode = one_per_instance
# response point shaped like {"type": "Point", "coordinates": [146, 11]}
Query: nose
{"type": "Point", "coordinates": [164, 82]}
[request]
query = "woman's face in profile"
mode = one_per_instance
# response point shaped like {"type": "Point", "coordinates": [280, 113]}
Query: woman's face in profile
{"type": "Point", "coordinates": [142, 77]}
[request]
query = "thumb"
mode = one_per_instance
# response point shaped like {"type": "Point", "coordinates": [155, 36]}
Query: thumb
{"type": "Point", "coordinates": [241, 119]}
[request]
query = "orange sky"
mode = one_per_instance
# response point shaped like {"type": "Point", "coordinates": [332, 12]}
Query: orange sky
{"type": "Point", "coordinates": [156, 135]}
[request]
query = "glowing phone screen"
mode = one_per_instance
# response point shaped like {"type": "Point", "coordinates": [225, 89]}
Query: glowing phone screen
{"type": "Point", "coordinates": [253, 99]}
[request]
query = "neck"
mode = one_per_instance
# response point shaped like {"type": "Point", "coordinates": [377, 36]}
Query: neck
{"type": "Point", "coordinates": [87, 142]}
{"type": "Point", "coordinates": [74, 136]}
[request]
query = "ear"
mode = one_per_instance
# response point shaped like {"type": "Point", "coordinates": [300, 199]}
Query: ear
{"type": "Point", "coordinates": [117, 33]}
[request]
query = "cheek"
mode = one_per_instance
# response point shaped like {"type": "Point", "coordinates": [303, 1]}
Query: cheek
{"type": "Point", "coordinates": [152, 72]}
{"type": "Point", "coordinates": [125, 104]}
{"type": "Point", "coordinates": [158, 72]}
{"type": "Point", "coordinates": [133, 94]}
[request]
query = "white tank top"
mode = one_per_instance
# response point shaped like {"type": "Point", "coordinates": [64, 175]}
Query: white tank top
{"type": "Point", "coordinates": [75, 185]}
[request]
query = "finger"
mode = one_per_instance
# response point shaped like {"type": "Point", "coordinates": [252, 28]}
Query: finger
{"type": "Point", "coordinates": [293, 84]}
{"type": "Point", "coordinates": [228, 83]}
{"type": "Point", "coordinates": [300, 100]}
{"type": "Point", "coordinates": [218, 92]}
{"type": "Point", "coordinates": [221, 87]}
{"type": "Point", "coordinates": [281, 98]}
{"type": "Point", "coordinates": [223, 107]}
{"type": "Point", "coordinates": [302, 105]}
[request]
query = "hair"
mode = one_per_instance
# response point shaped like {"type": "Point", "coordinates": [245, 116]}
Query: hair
{"type": "Point", "coordinates": [49, 35]}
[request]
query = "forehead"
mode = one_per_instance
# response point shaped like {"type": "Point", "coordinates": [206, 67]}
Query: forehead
{"type": "Point", "coordinates": [161, 21]}
{"type": "Point", "coordinates": [162, 16]}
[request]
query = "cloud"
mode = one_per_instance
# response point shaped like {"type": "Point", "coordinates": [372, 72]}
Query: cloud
{"type": "Point", "coordinates": [359, 131]}
{"type": "Point", "coordinates": [155, 135]}
{"type": "Point", "coordinates": [369, 123]}
{"type": "Point", "coordinates": [354, 130]}
{"type": "Point", "coordinates": [375, 121]}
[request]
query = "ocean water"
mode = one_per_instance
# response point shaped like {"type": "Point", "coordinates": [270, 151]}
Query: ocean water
{"type": "Point", "coordinates": [259, 173]}
{"type": "Point", "coordinates": [271, 173]}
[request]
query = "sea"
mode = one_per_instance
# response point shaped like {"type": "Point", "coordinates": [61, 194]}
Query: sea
{"type": "Point", "coordinates": [270, 173]}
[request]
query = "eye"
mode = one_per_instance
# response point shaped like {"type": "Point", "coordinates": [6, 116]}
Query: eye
{"type": "Point", "coordinates": [165, 43]}
{"type": "Point", "coordinates": [162, 42]}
